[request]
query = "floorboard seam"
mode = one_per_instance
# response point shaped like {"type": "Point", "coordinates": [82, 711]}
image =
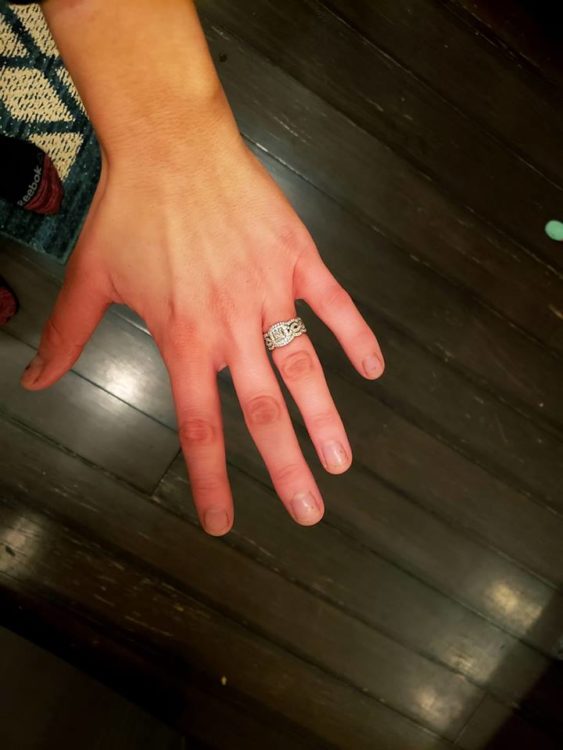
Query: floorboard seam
{"type": "Point", "coordinates": [503, 49]}
{"type": "Point", "coordinates": [405, 156]}
{"type": "Point", "coordinates": [358, 215]}
{"type": "Point", "coordinates": [521, 156]}
{"type": "Point", "coordinates": [186, 590]}
{"type": "Point", "coordinates": [445, 520]}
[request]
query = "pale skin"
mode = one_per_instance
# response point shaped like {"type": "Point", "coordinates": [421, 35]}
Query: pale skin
{"type": "Point", "coordinates": [188, 229]}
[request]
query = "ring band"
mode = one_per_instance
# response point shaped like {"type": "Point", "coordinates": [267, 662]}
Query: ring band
{"type": "Point", "coordinates": [280, 334]}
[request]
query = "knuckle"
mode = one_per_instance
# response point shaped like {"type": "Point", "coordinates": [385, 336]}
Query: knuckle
{"type": "Point", "coordinates": [207, 484]}
{"type": "Point", "coordinates": [323, 420]}
{"type": "Point", "coordinates": [263, 410]}
{"type": "Point", "coordinates": [297, 365]}
{"type": "Point", "coordinates": [196, 431]}
{"type": "Point", "coordinates": [175, 338]}
{"type": "Point", "coordinates": [335, 296]}
{"type": "Point", "coordinates": [286, 474]}
{"type": "Point", "coordinates": [52, 333]}
{"type": "Point", "coordinates": [179, 335]}
{"type": "Point", "coordinates": [177, 317]}
{"type": "Point", "coordinates": [225, 305]}
{"type": "Point", "coordinates": [56, 338]}
{"type": "Point", "coordinates": [295, 239]}
{"type": "Point", "coordinates": [182, 326]}
{"type": "Point", "coordinates": [290, 236]}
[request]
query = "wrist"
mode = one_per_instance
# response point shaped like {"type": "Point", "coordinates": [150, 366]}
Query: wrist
{"type": "Point", "coordinates": [144, 73]}
{"type": "Point", "coordinates": [175, 128]}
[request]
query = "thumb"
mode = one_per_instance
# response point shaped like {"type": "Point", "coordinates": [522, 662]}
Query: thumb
{"type": "Point", "coordinates": [78, 309]}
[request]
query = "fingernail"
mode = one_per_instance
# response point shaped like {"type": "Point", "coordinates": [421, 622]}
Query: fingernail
{"type": "Point", "coordinates": [32, 371]}
{"type": "Point", "coordinates": [215, 521]}
{"type": "Point", "coordinates": [334, 454]}
{"type": "Point", "coordinates": [372, 366]}
{"type": "Point", "coordinates": [305, 508]}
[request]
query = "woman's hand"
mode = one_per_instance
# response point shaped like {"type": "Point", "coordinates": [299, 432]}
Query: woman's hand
{"type": "Point", "coordinates": [188, 229]}
{"type": "Point", "coordinates": [205, 247]}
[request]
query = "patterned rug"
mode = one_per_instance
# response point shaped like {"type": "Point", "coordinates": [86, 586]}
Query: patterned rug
{"type": "Point", "coordinates": [39, 103]}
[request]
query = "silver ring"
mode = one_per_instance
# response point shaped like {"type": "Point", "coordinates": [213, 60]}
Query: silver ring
{"type": "Point", "coordinates": [280, 334]}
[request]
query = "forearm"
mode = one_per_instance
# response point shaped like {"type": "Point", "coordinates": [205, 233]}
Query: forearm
{"type": "Point", "coordinates": [143, 71]}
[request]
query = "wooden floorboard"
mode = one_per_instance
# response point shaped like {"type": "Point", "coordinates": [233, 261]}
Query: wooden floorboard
{"type": "Point", "coordinates": [184, 564]}
{"type": "Point", "coordinates": [335, 564]}
{"type": "Point", "coordinates": [348, 648]}
{"type": "Point", "coordinates": [488, 89]}
{"type": "Point", "coordinates": [139, 604]}
{"type": "Point", "coordinates": [495, 727]}
{"type": "Point", "coordinates": [525, 32]}
{"type": "Point", "coordinates": [420, 144]}
{"type": "Point", "coordinates": [214, 717]}
{"type": "Point", "coordinates": [45, 702]}
{"type": "Point", "coordinates": [461, 495]}
{"type": "Point", "coordinates": [97, 425]}
{"type": "Point", "coordinates": [111, 360]}
{"type": "Point", "coordinates": [494, 435]}
{"type": "Point", "coordinates": [178, 554]}
{"type": "Point", "coordinates": [436, 552]}
{"type": "Point", "coordinates": [419, 338]}
{"type": "Point", "coordinates": [517, 367]}
{"type": "Point", "coordinates": [408, 205]}
{"type": "Point", "coordinates": [382, 516]}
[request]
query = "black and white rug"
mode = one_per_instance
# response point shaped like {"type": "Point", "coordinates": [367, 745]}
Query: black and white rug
{"type": "Point", "coordinates": [39, 103]}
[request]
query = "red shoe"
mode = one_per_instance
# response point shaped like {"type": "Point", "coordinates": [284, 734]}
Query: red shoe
{"type": "Point", "coordinates": [9, 304]}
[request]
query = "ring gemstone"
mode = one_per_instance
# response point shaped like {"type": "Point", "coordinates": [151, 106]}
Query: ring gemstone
{"type": "Point", "coordinates": [283, 332]}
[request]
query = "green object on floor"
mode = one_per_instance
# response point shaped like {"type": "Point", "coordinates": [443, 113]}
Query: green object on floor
{"type": "Point", "coordinates": [554, 230]}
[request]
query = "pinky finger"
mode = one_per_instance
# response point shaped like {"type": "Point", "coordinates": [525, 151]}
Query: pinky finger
{"type": "Point", "coordinates": [315, 284]}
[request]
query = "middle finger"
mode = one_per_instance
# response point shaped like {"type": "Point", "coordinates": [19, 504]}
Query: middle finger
{"type": "Point", "coordinates": [268, 421]}
{"type": "Point", "coordinates": [302, 372]}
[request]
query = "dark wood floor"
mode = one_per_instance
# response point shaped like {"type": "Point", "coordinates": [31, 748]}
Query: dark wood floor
{"type": "Point", "coordinates": [46, 703]}
{"type": "Point", "coordinates": [420, 141]}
